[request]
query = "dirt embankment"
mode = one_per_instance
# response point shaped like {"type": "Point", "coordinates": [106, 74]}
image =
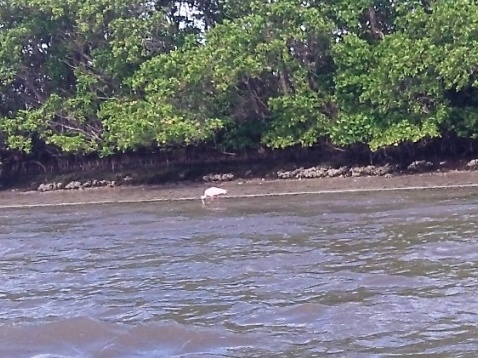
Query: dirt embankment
{"type": "Point", "coordinates": [237, 188]}
{"type": "Point", "coordinates": [266, 175]}
{"type": "Point", "coordinates": [163, 166]}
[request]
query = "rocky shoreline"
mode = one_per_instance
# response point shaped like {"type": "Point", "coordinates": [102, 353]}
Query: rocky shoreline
{"type": "Point", "coordinates": [314, 172]}
{"type": "Point", "coordinates": [456, 180]}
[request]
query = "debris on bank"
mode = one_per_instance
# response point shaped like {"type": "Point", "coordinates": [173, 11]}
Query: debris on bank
{"type": "Point", "coordinates": [320, 171]}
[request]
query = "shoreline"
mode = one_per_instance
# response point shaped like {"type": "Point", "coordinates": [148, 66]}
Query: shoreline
{"type": "Point", "coordinates": [239, 189]}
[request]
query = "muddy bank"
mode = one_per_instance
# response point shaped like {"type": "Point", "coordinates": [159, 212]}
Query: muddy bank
{"type": "Point", "coordinates": [199, 165]}
{"type": "Point", "coordinates": [255, 177]}
{"type": "Point", "coordinates": [192, 191]}
{"type": "Point", "coordinates": [248, 171]}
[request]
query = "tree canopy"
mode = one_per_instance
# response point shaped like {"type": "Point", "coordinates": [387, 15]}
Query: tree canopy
{"type": "Point", "coordinates": [104, 76]}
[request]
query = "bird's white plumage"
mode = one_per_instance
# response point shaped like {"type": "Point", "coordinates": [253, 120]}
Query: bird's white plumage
{"type": "Point", "coordinates": [212, 192]}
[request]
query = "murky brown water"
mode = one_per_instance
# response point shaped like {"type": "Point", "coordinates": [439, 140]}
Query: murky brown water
{"type": "Point", "coordinates": [364, 275]}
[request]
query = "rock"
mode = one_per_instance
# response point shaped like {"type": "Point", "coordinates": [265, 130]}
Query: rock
{"type": "Point", "coordinates": [227, 177]}
{"type": "Point", "coordinates": [310, 173]}
{"type": "Point", "coordinates": [283, 174]}
{"type": "Point", "coordinates": [297, 173]}
{"type": "Point", "coordinates": [369, 170]}
{"type": "Point", "coordinates": [322, 172]}
{"type": "Point", "coordinates": [345, 170]}
{"type": "Point", "coordinates": [76, 185]}
{"type": "Point", "coordinates": [384, 170]}
{"type": "Point", "coordinates": [210, 178]}
{"type": "Point", "coordinates": [420, 166]}
{"type": "Point", "coordinates": [357, 172]}
{"type": "Point", "coordinates": [47, 187]}
{"type": "Point", "coordinates": [73, 185]}
{"type": "Point", "coordinates": [334, 173]}
{"type": "Point", "coordinates": [50, 186]}
{"type": "Point", "coordinates": [218, 177]}
{"type": "Point", "coordinates": [472, 164]}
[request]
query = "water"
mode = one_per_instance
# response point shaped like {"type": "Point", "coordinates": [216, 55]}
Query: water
{"type": "Point", "coordinates": [363, 275]}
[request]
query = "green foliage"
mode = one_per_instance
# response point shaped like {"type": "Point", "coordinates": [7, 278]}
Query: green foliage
{"type": "Point", "coordinates": [237, 136]}
{"type": "Point", "coordinates": [60, 60]}
{"type": "Point", "coordinates": [132, 124]}
{"type": "Point", "coordinates": [297, 120]}
{"type": "Point", "coordinates": [395, 90]}
{"type": "Point", "coordinates": [106, 76]}
{"type": "Point", "coordinates": [352, 128]}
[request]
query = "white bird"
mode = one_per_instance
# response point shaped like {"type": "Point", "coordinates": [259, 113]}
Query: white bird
{"type": "Point", "coordinates": [212, 192]}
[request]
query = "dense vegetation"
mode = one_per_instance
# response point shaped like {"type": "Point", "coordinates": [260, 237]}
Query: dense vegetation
{"type": "Point", "coordinates": [109, 76]}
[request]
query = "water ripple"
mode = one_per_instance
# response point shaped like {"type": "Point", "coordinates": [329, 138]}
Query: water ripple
{"type": "Point", "coordinates": [347, 276]}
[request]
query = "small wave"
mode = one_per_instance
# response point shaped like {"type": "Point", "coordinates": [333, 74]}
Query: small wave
{"type": "Point", "coordinates": [86, 337]}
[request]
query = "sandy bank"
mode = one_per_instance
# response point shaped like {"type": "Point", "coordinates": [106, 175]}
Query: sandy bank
{"type": "Point", "coordinates": [238, 188]}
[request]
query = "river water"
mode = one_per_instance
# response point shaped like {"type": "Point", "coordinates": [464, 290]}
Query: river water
{"type": "Point", "coordinates": [342, 275]}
